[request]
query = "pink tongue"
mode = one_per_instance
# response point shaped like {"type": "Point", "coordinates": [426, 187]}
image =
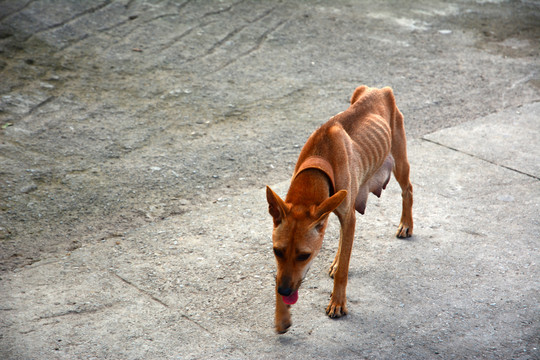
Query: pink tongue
{"type": "Point", "coordinates": [291, 299]}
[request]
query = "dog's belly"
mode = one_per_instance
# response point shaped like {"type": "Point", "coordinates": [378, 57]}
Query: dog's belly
{"type": "Point", "coordinates": [375, 184]}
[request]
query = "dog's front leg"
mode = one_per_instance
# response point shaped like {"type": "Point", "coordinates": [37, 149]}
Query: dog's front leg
{"type": "Point", "coordinates": [338, 301]}
{"type": "Point", "coordinates": [283, 315]}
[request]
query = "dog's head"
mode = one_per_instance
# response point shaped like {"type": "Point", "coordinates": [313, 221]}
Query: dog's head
{"type": "Point", "coordinates": [297, 238]}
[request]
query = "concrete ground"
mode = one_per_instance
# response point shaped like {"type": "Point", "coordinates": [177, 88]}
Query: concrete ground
{"type": "Point", "coordinates": [136, 139]}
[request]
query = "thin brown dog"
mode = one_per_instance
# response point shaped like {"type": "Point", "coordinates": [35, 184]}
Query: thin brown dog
{"type": "Point", "coordinates": [343, 161]}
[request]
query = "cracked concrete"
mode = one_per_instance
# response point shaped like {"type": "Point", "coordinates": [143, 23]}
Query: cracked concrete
{"type": "Point", "coordinates": [136, 138]}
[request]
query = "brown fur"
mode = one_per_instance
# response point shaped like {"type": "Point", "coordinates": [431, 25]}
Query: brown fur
{"type": "Point", "coordinates": [343, 161]}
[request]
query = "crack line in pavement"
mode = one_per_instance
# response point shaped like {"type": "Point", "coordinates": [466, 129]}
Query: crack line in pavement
{"type": "Point", "coordinates": [77, 16]}
{"type": "Point", "coordinates": [236, 344]}
{"type": "Point", "coordinates": [86, 36]}
{"type": "Point", "coordinates": [219, 43]}
{"type": "Point", "coordinates": [161, 302]}
{"type": "Point", "coordinates": [73, 18]}
{"type": "Point", "coordinates": [141, 290]}
{"type": "Point", "coordinates": [257, 46]}
{"type": "Point", "coordinates": [178, 38]}
{"type": "Point", "coordinates": [230, 35]}
{"type": "Point", "coordinates": [129, 3]}
{"type": "Point", "coordinates": [17, 11]}
{"type": "Point", "coordinates": [217, 12]}
{"type": "Point", "coordinates": [523, 80]}
{"type": "Point", "coordinates": [34, 108]}
{"type": "Point", "coordinates": [76, 312]}
{"type": "Point", "coordinates": [479, 158]}
{"type": "Point", "coordinates": [44, 102]}
{"type": "Point", "coordinates": [196, 323]}
{"type": "Point", "coordinates": [183, 5]}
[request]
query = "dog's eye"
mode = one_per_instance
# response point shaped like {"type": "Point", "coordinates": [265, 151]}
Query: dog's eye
{"type": "Point", "coordinates": [278, 253]}
{"type": "Point", "coordinates": [303, 257]}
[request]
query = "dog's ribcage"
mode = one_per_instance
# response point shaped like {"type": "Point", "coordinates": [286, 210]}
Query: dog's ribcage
{"type": "Point", "coordinates": [372, 144]}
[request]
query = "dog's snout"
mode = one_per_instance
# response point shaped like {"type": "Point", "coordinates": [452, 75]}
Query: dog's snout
{"type": "Point", "coordinates": [284, 291]}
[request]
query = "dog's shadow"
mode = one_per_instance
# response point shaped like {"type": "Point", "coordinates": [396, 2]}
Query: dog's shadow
{"type": "Point", "coordinates": [358, 254]}
{"type": "Point", "coordinates": [286, 339]}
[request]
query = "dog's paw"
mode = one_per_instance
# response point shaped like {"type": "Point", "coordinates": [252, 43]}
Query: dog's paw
{"type": "Point", "coordinates": [282, 326]}
{"type": "Point", "coordinates": [335, 310]}
{"type": "Point", "coordinates": [404, 231]}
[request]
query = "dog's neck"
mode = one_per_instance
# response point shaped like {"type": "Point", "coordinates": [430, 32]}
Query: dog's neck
{"type": "Point", "coordinates": [309, 187]}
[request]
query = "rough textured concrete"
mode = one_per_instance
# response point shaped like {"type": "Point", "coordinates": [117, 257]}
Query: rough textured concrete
{"type": "Point", "coordinates": [200, 285]}
{"type": "Point", "coordinates": [136, 139]}
{"type": "Point", "coordinates": [517, 129]}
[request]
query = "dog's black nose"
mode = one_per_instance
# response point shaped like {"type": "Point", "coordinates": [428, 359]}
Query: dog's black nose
{"type": "Point", "coordinates": [285, 291]}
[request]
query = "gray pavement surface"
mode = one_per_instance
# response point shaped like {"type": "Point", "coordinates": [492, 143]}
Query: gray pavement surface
{"type": "Point", "coordinates": [200, 285]}
{"type": "Point", "coordinates": [137, 136]}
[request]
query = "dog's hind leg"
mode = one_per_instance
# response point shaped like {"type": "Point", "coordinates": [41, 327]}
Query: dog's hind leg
{"type": "Point", "coordinates": [401, 173]}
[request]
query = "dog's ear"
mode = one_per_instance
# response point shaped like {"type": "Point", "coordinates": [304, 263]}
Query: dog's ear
{"type": "Point", "coordinates": [327, 206]}
{"type": "Point", "coordinates": [276, 206]}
